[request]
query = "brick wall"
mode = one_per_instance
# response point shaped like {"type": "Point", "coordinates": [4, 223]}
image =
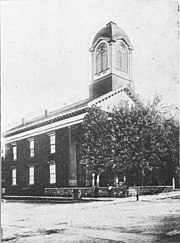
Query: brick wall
{"type": "Point", "coordinates": [100, 87]}
{"type": "Point", "coordinates": [40, 161]}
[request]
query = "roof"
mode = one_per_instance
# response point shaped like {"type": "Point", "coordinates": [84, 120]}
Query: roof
{"type": "Point", "coordinates": [111, 31]}
{"type": "Point", "coordinates": [62, 113]}
{"type": "Point", "coordinates": [130, 93]}
{"type": "Point", "coordinates": [69, 111]}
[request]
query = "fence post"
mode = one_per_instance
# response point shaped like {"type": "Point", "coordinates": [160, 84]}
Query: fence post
{"type": "Point", "coordinates": [173, 183]}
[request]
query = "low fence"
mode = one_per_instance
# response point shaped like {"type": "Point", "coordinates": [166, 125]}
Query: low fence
{"type": "Point", "coordinates": [78, 192]}
{"type": "Point", "coordinates": [87, 192]}
{"type": "Point", "coordinates": [122, 191]}
{"type": "Point", "coordinates": [148, 190]}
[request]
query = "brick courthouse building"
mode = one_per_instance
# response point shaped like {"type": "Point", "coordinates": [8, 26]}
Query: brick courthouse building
{"type": "Point", "coordinates": [44, 152]}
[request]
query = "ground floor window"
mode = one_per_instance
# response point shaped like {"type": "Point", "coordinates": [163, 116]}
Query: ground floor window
{"type": "Point", "coordinates": [14, 179]}
{"type": "Point", "coordinates": [31, 175]}
{"type": "Point", "coordinates": [52, 172]}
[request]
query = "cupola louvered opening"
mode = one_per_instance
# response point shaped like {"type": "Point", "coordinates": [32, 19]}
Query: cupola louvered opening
{"type": "Point", "coordinates": [122, 57]}
{"type": "Point", "coordinates": [101, 58]}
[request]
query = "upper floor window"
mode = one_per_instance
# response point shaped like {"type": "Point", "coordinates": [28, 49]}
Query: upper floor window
{"type": "Point", "coordinates": [14, 152]}
{"type": "Point", "coordinates": [52, 142]}
{"type": "Point", "coordinates": [101, 58]}
{"type": "Point", "coordinates": [31, 174]}
{"type": "Point", "coordinates": [31, 143]}
{"type": "Point", "coordinates": [52, 172]}
{"type": "Point", "coordinates": [122, 57]}
{"type": "Point", "coordinates": [14, 181]}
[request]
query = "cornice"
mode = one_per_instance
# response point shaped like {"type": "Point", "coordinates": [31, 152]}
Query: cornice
{"type": "Point", "coordinates": [126, 89]}
{"type": "Point", "coordinates": [45, 122]}
{"type": "Point", "coordinates": [46, 129]}
{"type": "Point", "coordinates": [133, 96]}
{"type": "Point", "coordinates": [110, 40]}
{"type": "Point", "coordinates": [73, 113]}
{"type": "Point", "coordinates": [109, 75]}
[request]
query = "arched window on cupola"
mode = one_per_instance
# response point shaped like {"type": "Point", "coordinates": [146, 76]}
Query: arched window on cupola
{"type": "Point", "coordinates": [122, 57]}
{"type": "Point", "coordinates": [101, 58]}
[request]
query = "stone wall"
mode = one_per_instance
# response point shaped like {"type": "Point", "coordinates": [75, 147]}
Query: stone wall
{"type": "Point", "coordinates": [148, 190]}
{"type": "Point", "coordinates": [87, 192]}
{"type": "Point", "coordinates": [68, 192]}
{"type": "Point", "coordinates": [104, 192]}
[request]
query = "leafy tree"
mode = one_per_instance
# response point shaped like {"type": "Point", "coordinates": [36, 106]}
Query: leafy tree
{"type": "Point", "coordinates": [139, 142]}
{"type": "Point", "coordinates": [96, 139]}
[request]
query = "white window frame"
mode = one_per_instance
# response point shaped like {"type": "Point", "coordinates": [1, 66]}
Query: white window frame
{"type": "Point", "coordinates": [31, 145]}
{"type": "Point", "coordinates": [31, 175]}
{"type": "Point", "coordinates": [14, 152]}
{"type": "Point", "coordinates": [52, 137]}
{"type": "Point", "coordinates": [14, 176]}
{"type": "Point", "coordinates": [52, 172]}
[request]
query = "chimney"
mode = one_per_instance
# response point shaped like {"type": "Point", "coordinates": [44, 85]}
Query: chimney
{"type": "Point", "coordinates": [46, 113]}
{"type": "Point", "coordinates": [23, 121]}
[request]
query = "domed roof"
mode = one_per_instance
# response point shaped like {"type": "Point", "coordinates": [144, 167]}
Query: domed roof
{"type": "Point", "coordinates": [111, 31]}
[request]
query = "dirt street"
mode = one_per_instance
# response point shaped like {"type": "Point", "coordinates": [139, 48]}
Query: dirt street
{"type": "Point", "coordinates": [151, 219]}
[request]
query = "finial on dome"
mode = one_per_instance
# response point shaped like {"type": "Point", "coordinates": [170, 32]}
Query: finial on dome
{"type": "Point", "coordinates": [111, 22]}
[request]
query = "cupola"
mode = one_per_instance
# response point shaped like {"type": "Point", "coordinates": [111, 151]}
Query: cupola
{"type": "Point", "coordinates": [111, 53]}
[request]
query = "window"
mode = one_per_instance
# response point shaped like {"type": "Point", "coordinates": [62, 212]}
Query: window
{"type": "Point", "coordinates": [14, 176]}
{"type": "Point", "coordinates": [31, 175]}
{"type": "Point", "coordinates": [52, 172]}
{"type": "Point", "coordinates": [101, 58]}
{"type": "Point", "coordinates": [52, 143]}
{"type": "Point", "coordinates": [122, 57]}
{"type": "Point", "coordinates": [31, 148]}
{"type": "Point", "coordinates": [15, 152]}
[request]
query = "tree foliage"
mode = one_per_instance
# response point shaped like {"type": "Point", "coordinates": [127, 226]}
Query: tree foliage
{"type": "Point", "coordinates": [142, 143]}
{"type": "Point", "coordinates": [96, 139]}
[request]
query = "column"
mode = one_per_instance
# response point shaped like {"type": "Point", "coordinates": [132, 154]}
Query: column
{"type": "Point", "coordinates": [110, 57]}
{"type": "Point", "coordinates": [97, 183]}
{"type": "Point", "coordinates": [72, 160]}
{"type": "Point", "coordinates": [130, 65]}
{"type": "Point", "coordinates": [92, 66]}
{"type": "Point", "coordinates": [93, 179]}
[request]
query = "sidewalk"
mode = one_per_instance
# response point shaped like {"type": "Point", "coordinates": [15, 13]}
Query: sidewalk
{"type": "Point", "coordinates": [160, 196]}
{"type": "Point", "coordinates": [44, 199]}
{"type": "Point", "coordinates": [173, 194]}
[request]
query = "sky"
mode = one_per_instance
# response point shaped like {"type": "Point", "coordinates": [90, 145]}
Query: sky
{"type": "Point", "coordinates": [45, 58]}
